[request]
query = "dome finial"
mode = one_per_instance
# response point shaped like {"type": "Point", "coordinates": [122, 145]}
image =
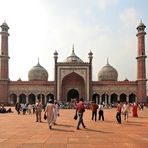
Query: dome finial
{"type": "Point", "coordinates": [73, 48]}
{"type": "Point", "coordinates": [107, 61]}
{"type": "Point", "coordinates": [38, 61]}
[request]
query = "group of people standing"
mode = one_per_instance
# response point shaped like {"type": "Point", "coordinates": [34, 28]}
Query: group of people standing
{"type": "Point", "coordinates": [125, 110]}
{"type": "Point", "coordinates": [94, 107]}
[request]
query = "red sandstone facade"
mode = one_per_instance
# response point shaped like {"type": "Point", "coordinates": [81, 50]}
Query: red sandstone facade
{"type": "Point", "coordinates": [73, 79]}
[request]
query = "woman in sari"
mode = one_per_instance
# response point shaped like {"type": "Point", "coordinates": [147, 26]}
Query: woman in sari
{"type": "Point", "coordinates": [135, 114]}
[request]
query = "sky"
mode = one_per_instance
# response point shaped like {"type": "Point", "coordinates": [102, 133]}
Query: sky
{"type": "Point", "coordinates": [106, 27]}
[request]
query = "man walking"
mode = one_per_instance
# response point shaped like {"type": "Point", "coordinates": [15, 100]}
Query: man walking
{"type": "Point", "coordinates": [118, 113]}
{"type": "Point", "coordinates": [38, 110]}
{"type": "Point", "coordinates": [80, 109]}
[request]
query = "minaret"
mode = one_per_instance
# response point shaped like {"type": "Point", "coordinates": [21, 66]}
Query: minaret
{"type": "Point", "coordinates": [4, 64]}
{"type": "Point", "coordinates": [90, 57]}
{"type": "Point", "coordinates": [141, 66]}
{"type": "Point", "coordinates": [55, 73]}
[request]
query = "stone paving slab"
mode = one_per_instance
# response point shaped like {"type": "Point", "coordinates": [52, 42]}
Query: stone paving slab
{"type": "Point", "coordinates": [21, 131]}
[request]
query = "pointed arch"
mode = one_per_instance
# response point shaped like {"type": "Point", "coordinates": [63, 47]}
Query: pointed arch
{"type": "Point", "coordinates": [123, 97]}
{"type": "Point", "coordinates": [114, 98]}
{"type": "Point", "coordinates": [132, 98]}
{"type": "Point", "coordinates": [13, 99]}
{"type": "Point", "coordinates": [72, 81]}
{"type": "Point", "coordinates": [72, 94]}
{"type": "Point", "coordinates": [96, 98]}
{"type": "Point", "coordinates": [22, 98]}
{"type": "Point", "coordinates": [31, 98]}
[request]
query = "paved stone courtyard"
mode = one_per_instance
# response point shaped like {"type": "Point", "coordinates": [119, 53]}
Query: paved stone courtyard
{"type": "Point", "coordinates": [21, 131]}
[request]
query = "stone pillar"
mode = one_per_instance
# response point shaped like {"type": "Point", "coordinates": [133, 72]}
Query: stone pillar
{"type": "Point", "coordinates": [109, 99]}
{"type": "Point", "coordinates": [118, 98]}
{"type": "Point", "coordinates": [100, 100]}
{"type": "Point", "coordinates": [105, 99]}
{"type": "Point", "coordinates": [27, 99]}
{"type": "Point", "coordinates": [36, 98]}
{"type": "Point", "coordinates": [97, 100]}
{"type": "Point", "coordinates": [41, 98]}
{"type": "Point", "coordinates": [127, 99]}
{"type": "Point", "coordinates": [45, 100]}
{"type": "Point", "coordinates": [18, 98]}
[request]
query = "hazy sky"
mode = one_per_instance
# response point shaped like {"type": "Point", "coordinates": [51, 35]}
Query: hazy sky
{"type": "Point", "coordinates": [106, 27]}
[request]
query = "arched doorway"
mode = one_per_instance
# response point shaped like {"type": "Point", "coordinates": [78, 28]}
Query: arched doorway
{"type": "Point", "coordinates": [132, 98]}
{"type": "Point", "coordinates": [22, 98]}
{"type": "Point", "coordinates": [41, 98]}
{"type": "Point", "coordinates": [72, 81]}
{"type": "Point", "coordinates": [72, 94]}
{"type": "Point", "coordinates": [50, 96]}
{"type": "Point", "coordinates": [96, 98]}
{"type": "Point", "coordinates": [114, 98]}
{"type": "Point", "coordinates": [31, 99]}
{"type": "Point", "coordinates": [123, 98]}
{"type": "Point", "coordinates": [13, 99]}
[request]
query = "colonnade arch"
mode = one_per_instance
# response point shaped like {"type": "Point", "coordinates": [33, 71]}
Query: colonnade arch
{"type": "Point", "coordinates": [50, 96]}
{"type": "Point", "coordinates": [113, 98]}
{"type": "Point", "coordinates": [30, 98]}
{"type": "Point", "coordinates": [123, 97]}
{"type": "Point", "coordinates": [13, 99]}
{"type": "Point", "coordinates": [96, 98]}
{"type": "Point", "coordinates": [22, 98]}
{"type": "Point", "coordinates": [132, 98]}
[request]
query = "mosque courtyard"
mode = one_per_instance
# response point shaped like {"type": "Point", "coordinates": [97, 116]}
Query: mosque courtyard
{"type": "Point", "coordinates": [21, 131]}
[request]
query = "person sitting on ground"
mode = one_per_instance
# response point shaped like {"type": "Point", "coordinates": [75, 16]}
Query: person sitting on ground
{"type": "Point", "coordinates": [9, 110]}
{"type": "Point", "coordinates": [3, 109]}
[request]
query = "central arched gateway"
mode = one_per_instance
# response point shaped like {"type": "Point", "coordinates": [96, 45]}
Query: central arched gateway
{"type": "Point", "coordinates": [72, 94]}
{"type": "Point", "coordinates": [72, 87]}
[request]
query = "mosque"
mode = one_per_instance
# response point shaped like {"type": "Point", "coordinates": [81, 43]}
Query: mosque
{"type": "Point", "coordinates": [73, 79]}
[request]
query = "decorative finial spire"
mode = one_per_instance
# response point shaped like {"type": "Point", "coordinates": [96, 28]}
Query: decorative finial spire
{"type": "Point", "coordinates": [107, 61]}
{"type": "Point", "coordinates": [73, 48]}
{"type": "Point", "coordinates": [38, 60]}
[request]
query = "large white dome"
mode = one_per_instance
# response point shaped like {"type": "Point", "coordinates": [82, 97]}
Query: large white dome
{"type": "Point", "coordinates": [108, 73]}
{"type": "Point", "coordinates": [38, 73]}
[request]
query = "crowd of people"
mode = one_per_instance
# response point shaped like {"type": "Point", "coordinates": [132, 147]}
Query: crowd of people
{"type": "Point", "coordinates": [51, 111]}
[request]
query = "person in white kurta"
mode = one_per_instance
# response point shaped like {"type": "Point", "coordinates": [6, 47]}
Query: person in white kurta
{"type": "Point", "coordinates": [49, 111]}
{"type": "Point", "coordinates": [56, 112]}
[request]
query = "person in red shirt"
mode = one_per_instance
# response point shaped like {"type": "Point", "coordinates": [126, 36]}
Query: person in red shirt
{"type": "Point", "coordinates": [80, 109]}
{"type": "Point", "coordinates": [94, 108]}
